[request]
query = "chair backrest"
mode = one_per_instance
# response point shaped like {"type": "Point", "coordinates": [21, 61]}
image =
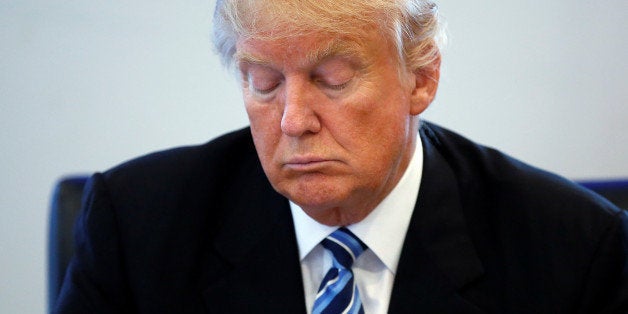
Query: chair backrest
{"type": "Point", "coordinates": [65, 206]}
{"type": "Point", "coordinates": [615, 191]}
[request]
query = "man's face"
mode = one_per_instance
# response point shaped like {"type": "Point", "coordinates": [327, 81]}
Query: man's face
{"type": "Point", "coordinates": [333, 120]}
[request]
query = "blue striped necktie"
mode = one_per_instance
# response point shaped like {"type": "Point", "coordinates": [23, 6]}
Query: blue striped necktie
{"type": "Point", "coordinates": [338, 292]}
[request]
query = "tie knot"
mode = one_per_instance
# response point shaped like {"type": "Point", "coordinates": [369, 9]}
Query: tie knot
{"type": "Point", "coordinates": [344, 246]}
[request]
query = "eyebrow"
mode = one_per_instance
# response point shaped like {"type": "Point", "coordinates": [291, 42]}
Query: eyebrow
{"type": "Point", "coordinates": [331, 49]}
{"type": "Point", "coordinates": [243, 57]}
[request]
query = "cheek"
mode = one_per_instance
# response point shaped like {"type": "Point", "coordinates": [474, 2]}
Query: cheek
{"type": "Point", "coordinates": [265, 128]}
{"type": "Point", "coordinates": [369, 120]}
{"type": "Point", "coordinates": [375, 132]}
{"type": "Point", "coordinates": [261, 115]}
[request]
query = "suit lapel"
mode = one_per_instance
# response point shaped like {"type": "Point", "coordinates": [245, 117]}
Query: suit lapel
{"type": "Point", "coordinates": [252, 266]}
{"type": "Point", "coordinates": [438, 257]}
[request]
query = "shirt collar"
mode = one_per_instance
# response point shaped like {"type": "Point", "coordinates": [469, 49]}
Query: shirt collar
{"type": "Point", "coordinates": [383, 230]}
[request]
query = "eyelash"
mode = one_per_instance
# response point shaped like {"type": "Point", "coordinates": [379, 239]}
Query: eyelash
{"type": "Point", "coordinates": [337, 87]}
{"type": "Point", "coordinates": [264, 91]}
{"type": "Point", "coordinates": [334, 87]}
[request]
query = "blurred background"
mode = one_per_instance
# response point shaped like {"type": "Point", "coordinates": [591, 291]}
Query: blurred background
{"type": "Point", "coordinates": [85, 85]}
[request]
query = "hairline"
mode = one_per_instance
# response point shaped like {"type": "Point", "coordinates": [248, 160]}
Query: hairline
{"type": "Point", "coordinates": [412, 53]}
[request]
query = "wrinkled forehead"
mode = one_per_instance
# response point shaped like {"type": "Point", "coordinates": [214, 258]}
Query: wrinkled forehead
{"type": "Point", "coordinates": [274, 19]}
{"type": "Point", "coordinates": [301, 50]}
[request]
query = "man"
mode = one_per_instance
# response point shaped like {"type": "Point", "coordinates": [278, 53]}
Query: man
{"type": "Point", "coordinates": [337, 199]}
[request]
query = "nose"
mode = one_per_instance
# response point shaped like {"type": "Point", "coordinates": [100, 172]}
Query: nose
{"type": "Point", "coordinates": [299, 117]}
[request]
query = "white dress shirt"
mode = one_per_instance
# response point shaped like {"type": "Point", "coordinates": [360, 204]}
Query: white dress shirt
{"type": "Point", "coordinates": [383, 231]}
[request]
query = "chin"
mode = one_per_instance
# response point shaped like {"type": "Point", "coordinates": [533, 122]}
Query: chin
{"type": "Point", "coordinates": [315, 196]}
{"type": "Point", "coordinates": [315, 201]}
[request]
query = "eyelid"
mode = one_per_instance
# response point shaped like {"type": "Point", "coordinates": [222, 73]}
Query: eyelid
{"type": "Point", "coordinates": [335, 87]}
{"type": "Point", "coordinates": [264, 91]}
{"type": "Point", "coordinates": [265, 78]}
{"type": "Point", "coordinates": [335, 73]}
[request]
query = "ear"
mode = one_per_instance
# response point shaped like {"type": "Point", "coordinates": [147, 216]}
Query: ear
{"type": "Point", "coordinates": [425, 86]}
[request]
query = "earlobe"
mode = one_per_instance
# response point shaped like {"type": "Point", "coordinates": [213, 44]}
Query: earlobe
{"type": "Point", "coordinates": [426, 85]}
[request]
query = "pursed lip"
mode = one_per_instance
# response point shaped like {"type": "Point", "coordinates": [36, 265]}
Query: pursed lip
{"type": "Point", "coordinates": [306, 162]}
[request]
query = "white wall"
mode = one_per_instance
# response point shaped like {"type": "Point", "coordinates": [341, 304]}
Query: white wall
{"type": "Point", "coordinates": [546, 81]}
{"type": "Point", "coordinates": [86, 85]}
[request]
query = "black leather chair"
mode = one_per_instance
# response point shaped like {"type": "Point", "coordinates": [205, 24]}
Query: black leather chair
{"type": "Point", "coordinates": [65, 206]}
{"type": "Point", "coordinates": [615, 191]}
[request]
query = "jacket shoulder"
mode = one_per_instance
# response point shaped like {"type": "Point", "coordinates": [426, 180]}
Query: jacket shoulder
{"type": "Point", "coordinates": [499, 185]}
{"type": "Point", "coordinates": [534, 228]}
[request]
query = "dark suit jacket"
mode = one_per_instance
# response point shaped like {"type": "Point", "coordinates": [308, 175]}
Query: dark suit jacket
{"type": "Point", "coordinates": [200, 230]}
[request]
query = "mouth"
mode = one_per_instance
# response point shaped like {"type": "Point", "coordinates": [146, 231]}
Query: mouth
{"type": "Point", "coordinates": [307, 163]}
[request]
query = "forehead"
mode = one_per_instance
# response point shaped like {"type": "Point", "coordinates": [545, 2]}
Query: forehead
{"type": "Point", "coordinates": [303, 50]}
{"type": "Point", "coordinates": [289, 17]}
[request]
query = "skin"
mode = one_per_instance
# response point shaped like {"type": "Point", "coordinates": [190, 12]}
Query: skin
{"type": "Point", "coordinates": [334, 120]}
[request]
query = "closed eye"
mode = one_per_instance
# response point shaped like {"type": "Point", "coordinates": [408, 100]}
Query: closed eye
{"type": "Point", "coordinates": [337, 87]}
{"type": "Point", "coordinates": [264, 91]}
{"type": "Point", "coordinates": [333, 87]}
{"type": "Point", "coordinates": [260, 79]}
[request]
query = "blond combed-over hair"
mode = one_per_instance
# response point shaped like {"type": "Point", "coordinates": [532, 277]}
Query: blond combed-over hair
{"type": "Point", "coordinates": [413, 26]}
